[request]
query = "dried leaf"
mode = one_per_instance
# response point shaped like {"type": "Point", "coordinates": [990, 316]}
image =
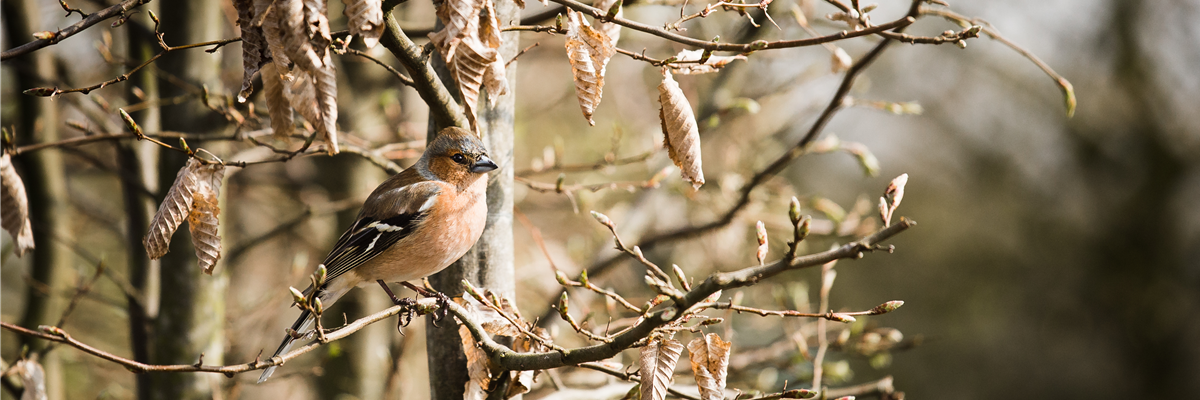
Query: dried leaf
{"type": "Point", "coordinates": [269, 11]}
{"type": "Point", "coordinates": [611, 30]}
{"type": "Point", "coordinates": [478, 368]}
{"type": "Point", "coordinates": [679, 127]}
{"type": "Point", "coordinates": [255, 50]}
{"type": "Point", "coordinates": [15, 206]}
{"type": "Point", "coordinates": [302, 94]}
{"type": "Point", "coordinates": [712, 64]}
{"type": "Point", "coordinates": [589, 51]}
{"type": "Point", "coordinates": [658, 366]}
{"type": "Point", "coordinates": [33, 378]}
{"type": "Point", "coordinates": [461, 19]}
{"type": "Point", "coordinates": [194, 181]}
{"type": "Point", "coordinates": [297, 33]}
{"type": "Point", "coordinates": [365, 18]}
{"type": "Point", "coordinates": [709, 356]}
{"type": "Point", "coordinates": [325, 79]}
{"type": "Point", "coordinates": [278, 105]}
{"type": "Point", "coordinates": [171, 213]}
{"type": "Point", "coordinates": [202, 219]}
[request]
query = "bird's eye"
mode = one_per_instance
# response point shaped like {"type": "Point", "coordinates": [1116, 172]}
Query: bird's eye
{"type": "Point", "coordinates": [458, 158]}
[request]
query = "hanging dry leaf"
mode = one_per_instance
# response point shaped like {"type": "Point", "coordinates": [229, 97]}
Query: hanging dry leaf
{"type": "Point", "coordinates": [194, 181]}
{"type": "Point", "coordinates": [478, 368]}
{"type": "Point", "coordinates": [297, 33]}
{"type": "Point", "coordinates": [709, 356]}
{"type": "Point", "coordinates": [461, 19]}
{"type": "Point", "coordinates": [171, 213]}
{"type": "Point", "coordinates": [712, 64]}
{"type": "Point", "coordinates": [255, 51]}
{"type": "Point", "coordinates": [611, 30]}
{"type": "Point", "coordinates": [302, 94]}
{"type": "Point", "coordinates": [202, 219]}
{"type": "Point", "coordinates": [468, 44]}
{"type": "Point", "coordinates": [658, 366]}
{"type": "Point", "coordinates": [679, 127]}
{"type": "Point", "coordinates": [15, 206]}
{"type": "Point", "coordinates": [278, 105]}
{"type": "Point", "coordinates": [269, 11]}
{"type": "Point", "coordinates": [589, 51]}
{"type": "Point", "coordinates": [365, 18]}
{"type": "Point", "coordinates": [326, 92]}
{"type": "Point", "coordinates": [33, 378]}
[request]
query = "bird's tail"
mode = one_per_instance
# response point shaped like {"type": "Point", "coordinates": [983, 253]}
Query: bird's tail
{"type": "Point", "coordinates": [302, 324]}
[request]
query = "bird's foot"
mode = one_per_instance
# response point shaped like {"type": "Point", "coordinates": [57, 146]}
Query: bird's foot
{"type": "Point", "coordinates": [443, 301]}
{"type": "Point", "coordinates": [408, 307]}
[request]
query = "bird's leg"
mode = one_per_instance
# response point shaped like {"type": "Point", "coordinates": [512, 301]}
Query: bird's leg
{"type": "Point", "coordinates": [409, 305]}
{"type": "Point", "coordinates": [443, 301]}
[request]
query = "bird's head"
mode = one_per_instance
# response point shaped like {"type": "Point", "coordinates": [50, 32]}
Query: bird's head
{"type": "Point", "coordinates": [457, 156]}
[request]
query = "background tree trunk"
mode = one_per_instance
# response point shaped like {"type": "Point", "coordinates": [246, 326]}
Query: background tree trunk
{"type": "Point", "coordinates": [46, 187]}
{"type": "Point", "coordinates": [191, 319]}
{"type": "Point", "coordinates": [139, 169]}
{"type": "Point", "coordinates": [490, 263]}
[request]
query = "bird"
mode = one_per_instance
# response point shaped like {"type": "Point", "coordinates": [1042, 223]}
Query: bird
{"type": "Point", "coordinates": [413, 225]}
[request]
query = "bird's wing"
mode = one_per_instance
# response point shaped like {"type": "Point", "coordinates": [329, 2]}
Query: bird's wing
{"type": "Point", "coordinates": [389, 216]}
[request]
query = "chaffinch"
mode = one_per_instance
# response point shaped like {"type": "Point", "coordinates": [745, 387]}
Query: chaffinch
{"type": "Point", "coordinates": [413, 225]}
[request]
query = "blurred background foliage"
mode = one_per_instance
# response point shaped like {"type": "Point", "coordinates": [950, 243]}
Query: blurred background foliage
{"type": "Point", "coordinates": [1055, 257]}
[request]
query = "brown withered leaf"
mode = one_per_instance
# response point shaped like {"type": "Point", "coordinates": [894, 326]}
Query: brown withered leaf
{"type": "Point", "coordinates": [658, 367]}
{"type": "Point", "coordinates": [203, 218]}
{"type": "Point", "coordinates": [172, 212]}
{"type": "Point", "coordinates": [325, 83]}
{"type": "Point", "coordinates": [679, 126]}
{"type": "Point", "coordinates": [255, 51]}
{"type": "Point", "coordinates": [297, 33]}
{"type": "Point", "coordinates": [611, 30]}
{"type": "Point", "coordinates": [194, 180]}
{"type": "Point", "coordinates": [15, 205]}
{"type": "Point", "coordinates": [365, 18]}
{"type": "Point", "coordinates": [709, 356]}
{"type": "Point", "coordinates": [712, 64]}
{"type": "Point", "coordinates": [478, 368]}
{"type": "Point", "coordinates": [461, 20]}
{"type": "Point", "coordinates": [278, 105]}
{"type": "Point", "coordinates": [302, 94]}
{"type": "Point", "coordinates": [588, 51]}
{"type": "Point", "coordinates": [272, 27]}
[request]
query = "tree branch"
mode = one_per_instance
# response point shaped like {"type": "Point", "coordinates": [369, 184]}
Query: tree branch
{"type": "Point", "coordinates": [94, 18]}
{"type": "Point", "coordinates": [738, 47]}
{"type": "Point", "coordinates": [507, 359]}
{"type": "Point", "coordinates": [446, 112]}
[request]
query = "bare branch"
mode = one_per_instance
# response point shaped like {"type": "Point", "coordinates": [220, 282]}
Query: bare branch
{"type": "Point", "coordinates": [118, 9]}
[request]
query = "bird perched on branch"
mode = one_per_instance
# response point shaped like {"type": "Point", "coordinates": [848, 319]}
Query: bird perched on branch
{"type": "Point", "coordinates": [413, 225]}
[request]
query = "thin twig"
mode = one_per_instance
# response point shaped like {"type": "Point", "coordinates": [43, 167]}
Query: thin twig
{"type": "Point", "coordinates": [762, 176]}
{"type": "Point", "coordinates": [736, 47]}
{"type": "Point", "coordinates": [403, 79]}
{"type": "Point", "coordinates": [94, 18]}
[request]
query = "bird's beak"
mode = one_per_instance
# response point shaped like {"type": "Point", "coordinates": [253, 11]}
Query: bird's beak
{"type": "Point", "coordinates": [484, 164]}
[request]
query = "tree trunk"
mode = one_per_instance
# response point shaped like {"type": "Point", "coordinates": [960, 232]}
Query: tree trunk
{"type": "Point", "coordinates": [138, 162]}
{"type": "Point", "coordinates": [191, 319]}
{"type": "Point", "coordinates": [45, 185]}
{"type": "Point", "coordinates": [490, 263]}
